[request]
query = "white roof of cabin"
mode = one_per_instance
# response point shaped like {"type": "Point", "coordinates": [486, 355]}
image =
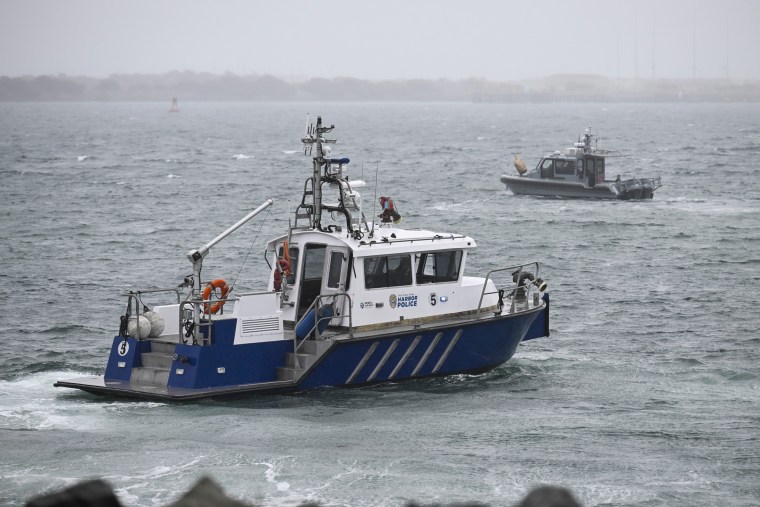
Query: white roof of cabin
{"type": "Point", "coordinates": [385, 241]}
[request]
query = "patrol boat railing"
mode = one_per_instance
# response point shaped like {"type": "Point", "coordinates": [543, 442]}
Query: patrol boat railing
{"type": "Point", "coordinates": [519, 293]}
{"type": "Point", "coordinates": [191, 327]}
{"type": "Point", "coordinates": [629, 184]}
{"type": "Point", "coordinates": [134, 299]}
{"type": "Point", "coordinates": [313, 313]}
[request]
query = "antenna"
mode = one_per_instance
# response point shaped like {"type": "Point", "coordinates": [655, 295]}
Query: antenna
{"type": "Point", "coordinates": [314, 136]}
{"type": "Point", "coordinates": [307, 139]}
{"type": "Point", "coordinates": [374, 202]}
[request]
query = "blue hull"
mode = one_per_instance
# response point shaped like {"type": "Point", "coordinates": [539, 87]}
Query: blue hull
{"type": "Point", "coordinates": [471, 348]}
{"type": "Point", "coordinates": [226, 370]}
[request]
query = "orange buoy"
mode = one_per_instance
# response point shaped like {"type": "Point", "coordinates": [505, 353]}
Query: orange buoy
{"type": "Point", "coordinates": [212, 286]}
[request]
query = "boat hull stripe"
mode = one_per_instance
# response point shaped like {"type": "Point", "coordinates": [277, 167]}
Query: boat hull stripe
{"type": "Point", "coordinates": [447, 351]}
{"type": "Point", "coordinates": [405, 356]}
{"type": "Point", "coordinates": [427, 354]}
{"type": "Point", "coordinates": [384, 359]}
{"type": "Point", "coordinates": [361, 364]}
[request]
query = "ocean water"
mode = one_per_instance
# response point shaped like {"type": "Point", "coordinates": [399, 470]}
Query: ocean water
{"type": "Point", "coordinates": [647, 393]}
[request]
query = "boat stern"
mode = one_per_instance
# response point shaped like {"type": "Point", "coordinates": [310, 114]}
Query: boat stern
{"type": "Point", "coordinates": [126, 354]}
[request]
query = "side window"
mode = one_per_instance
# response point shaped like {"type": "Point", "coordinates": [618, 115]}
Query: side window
{"type": "Point", "coordinates": [375, 269]}
{"type": "Point", "coordinates": [387, 271]}
{"type": "Point", "coordinates": [399, 270]}
{"type": "Point", "coordinates": [333, 276]}
{"type": "Point", "coordinates": [437, 267]}
{"type": "Point", "coordinates": [565, 167]}
{"type": "Point", "coordinates": [314, 263]}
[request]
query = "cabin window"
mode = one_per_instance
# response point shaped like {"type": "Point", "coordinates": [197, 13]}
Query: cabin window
{"type": "Point", "coordinates": [333, 276]}
{"type": "Point", "coordinates": [387, 271]}
{"type": "Point", "coordinates": [314, 264]}
{"type": "Point", "coordinates": [547, 168]}
{"type": "Point", "coordinates": [564, 167]}
{"type": "Point", "coordinates": [293, 251]}
{"type": "Point", "coordinates": [437, 267]}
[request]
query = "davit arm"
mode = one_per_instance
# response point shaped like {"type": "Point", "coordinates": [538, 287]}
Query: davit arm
{"type": "Point", "coordinates": [196, 256]}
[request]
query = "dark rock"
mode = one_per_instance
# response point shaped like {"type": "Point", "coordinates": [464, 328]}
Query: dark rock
{"type": "Point", "coordinates": [95, 493]}
{"type": "Point", "coordinates": [207, 493]}
{"type": "Point", "coordinates": [549, 496]}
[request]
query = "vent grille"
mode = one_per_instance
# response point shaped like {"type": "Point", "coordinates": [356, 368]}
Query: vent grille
{"type": "Point", "coordinates": [263, 325]}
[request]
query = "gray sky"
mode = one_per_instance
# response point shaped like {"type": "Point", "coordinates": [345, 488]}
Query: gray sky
{"type": "Point", "coordinates": [384, 39]}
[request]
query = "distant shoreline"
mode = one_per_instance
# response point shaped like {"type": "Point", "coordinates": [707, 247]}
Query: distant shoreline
{"type": "Point", "coordinates": [206, 87]}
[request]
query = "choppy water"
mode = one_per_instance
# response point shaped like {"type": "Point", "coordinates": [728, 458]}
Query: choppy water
{"type": "Point", "coordinates": [647, 393]}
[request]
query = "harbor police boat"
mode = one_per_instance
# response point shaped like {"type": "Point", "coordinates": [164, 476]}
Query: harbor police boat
{"type": "Point", "coordinates": [577, 172]}
{"type": "Point", "coordinates": [349, 302]}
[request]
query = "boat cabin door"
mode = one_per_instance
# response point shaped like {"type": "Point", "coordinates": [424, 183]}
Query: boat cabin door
{"type": "Point", "coordinates": [335, 280]}
{"type": "Point", "coordinates": [311, 277]}
{"type": "Point", "coordinates": [325, 272]}
{"type": "Point", "coordinates": [594, 167]}
{"type": "Point", "coordinates": [590, 172]}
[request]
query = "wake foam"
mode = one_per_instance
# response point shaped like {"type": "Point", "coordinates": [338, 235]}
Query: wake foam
{"type": "Point", "coordinates": [31, 403]}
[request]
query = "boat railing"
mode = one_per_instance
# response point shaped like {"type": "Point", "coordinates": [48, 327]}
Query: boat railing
{"type": "Point", "coordinates": [524, 280]}
{"type": "Point", "coordinates": [313, 312]}
{"type": "Point", "coordinates": [135, 307]}
{"type": "Point", "coordinates": [633, 183]}
{"type": "Point", "coordinates": [187, 327]}
{"type": "Point", "coordinates": [655, 182]}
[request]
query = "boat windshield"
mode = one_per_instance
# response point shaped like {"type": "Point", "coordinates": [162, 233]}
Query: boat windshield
{"type": "Point", "coordinates": [564, 167]}
{"type": "Point", "coordinates": [547, 168]}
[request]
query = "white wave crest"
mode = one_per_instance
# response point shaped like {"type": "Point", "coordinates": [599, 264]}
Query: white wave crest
{"type": "Point", "coordinates": [32, 403]}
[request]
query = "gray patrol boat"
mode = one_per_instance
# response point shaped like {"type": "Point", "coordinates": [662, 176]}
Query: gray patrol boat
{"type": "Point", "coordinates": [578, 172]}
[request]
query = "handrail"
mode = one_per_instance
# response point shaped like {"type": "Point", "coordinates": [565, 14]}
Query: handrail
{"type": "Point", "coordinates": [151, 291]}
{"type": "Point", "coordinates": [315, 327]}
{"type": "Point", "coordinates": [635, 182]}
{"type": "Point", "coordinates": [186, 318]}
{"type": "Point", "coordinates": [135, 295]}
{"type": "Point", "coordinates": [525, 288]}
{"type": "Point", "coordinates": [437, 237]}
{"type": "Point", "coordinates": [182, 316]}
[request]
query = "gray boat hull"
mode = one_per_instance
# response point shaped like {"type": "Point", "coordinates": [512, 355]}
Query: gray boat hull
{"type": "Point", "coordinates": [629, 189]}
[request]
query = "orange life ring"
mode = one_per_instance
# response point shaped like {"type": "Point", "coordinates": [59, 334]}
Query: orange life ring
{"type": "Point", "coordinates": [212, 286]}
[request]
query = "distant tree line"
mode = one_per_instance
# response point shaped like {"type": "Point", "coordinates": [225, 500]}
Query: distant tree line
{"type": "Point", "coordinates": [191, 86]}
{"type": "Point", "coordinates": [201, 86]}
